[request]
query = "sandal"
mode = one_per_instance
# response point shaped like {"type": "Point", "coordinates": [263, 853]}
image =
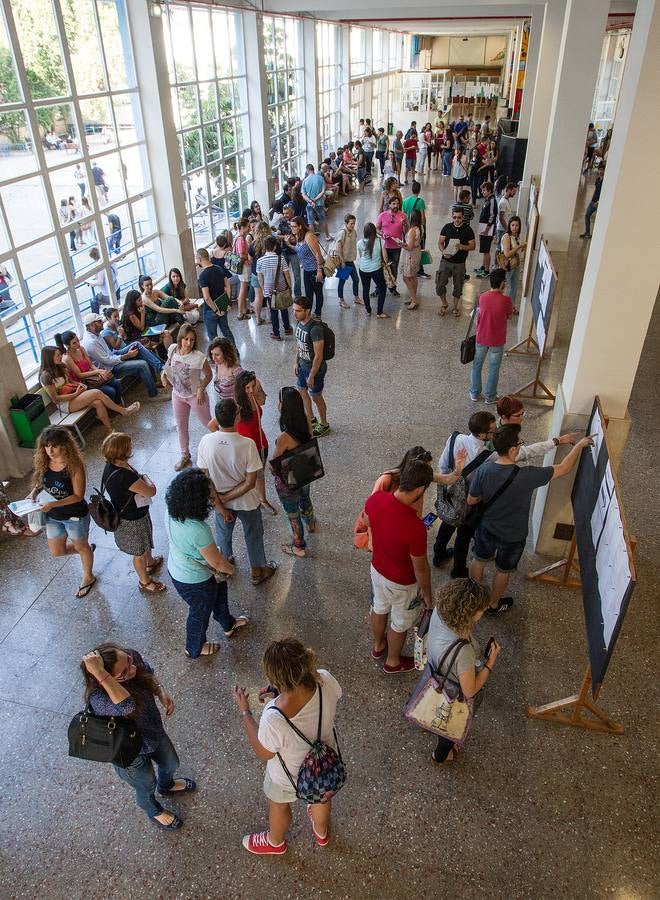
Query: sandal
{"type": "Point", "coordinates": [383, 316]}
{"type": "Point", "coordinates": [208, 649]}
{"type": "Point", "coordinates": [412, 305]}
{"type": "Point", "coordinates": [84, 589]}
{"type": "Point", "coordinates": [358, 302]}
{"type": "Point", "coordinates": [265, 573]}
{"type": "Point", "coordinates": [156, 564]}
{"type": "Point", "coordinates": [456, 312]}
{"type": "Point", "coordinates": [344, 305]}
{"type": "Point", "coordinates": [151, 586]}
{"type": "Point", "coordinates": [260, 321]}
{"type": "Point", "coordinates": [189, 785]}
{"type": "Point", "coordinates": [242, 317]}
{"type": "Point", "coordinates": [293, 551]}
{"type": "Point", "coordinates": [443, 310]}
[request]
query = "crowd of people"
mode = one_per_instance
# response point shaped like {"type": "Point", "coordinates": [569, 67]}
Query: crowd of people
{"type": "Point", "coordinates": [278, 261]}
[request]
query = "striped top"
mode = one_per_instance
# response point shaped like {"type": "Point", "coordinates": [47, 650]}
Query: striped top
{"type": "Point", "coordinates": [306, 256]}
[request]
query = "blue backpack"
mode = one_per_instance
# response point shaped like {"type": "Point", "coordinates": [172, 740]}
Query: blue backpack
{"type": "Point", "coordinates": [322, 772]}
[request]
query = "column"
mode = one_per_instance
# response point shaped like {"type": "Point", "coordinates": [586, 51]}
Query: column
{"type": "Point", "coordinates": [162, 148]}
{"type": "Point", "coordinates": [345, 84]}
{"type": "Point", "coordinates": [311, 93]}
{"type": "Point", "coordinates": [257, 106]}
{"type": "Point", "coordinates": [579, 59]}
{"type": "Point", "coordinates": [516, 65]}
{"type": "Point", "coordinates": [605, 347]}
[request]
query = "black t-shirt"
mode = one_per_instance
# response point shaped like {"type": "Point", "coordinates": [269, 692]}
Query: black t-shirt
{"type": "Point", "coordinates": [59, 486]}
{"type": "Point", "coordinates": [212, 277]}
{"type": "Point", "coordinates": [118, 481]}
{"type": "Point", "coordinates": [306, 334]}
{"type": "Point", "coordinates": [464, 235]}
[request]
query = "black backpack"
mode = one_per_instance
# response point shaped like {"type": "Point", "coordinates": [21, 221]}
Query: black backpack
{"type": "Point", "coordinates": [102, 510]}
{"type": "Point", "coordinates": [328, 339]}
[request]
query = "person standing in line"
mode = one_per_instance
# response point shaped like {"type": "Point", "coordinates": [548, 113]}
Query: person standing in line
{"type": "Point", "coordinates": [120, 682]}
{"type": "Point", "coordinates": [399, 566]}
{"type": "Point", "coordinates": [410, 154]}
{"type": "Point", "coordinates": [216, 292]}
{"type": "Point", "coordinates": [311, 262]}
{"type": "Point", "coordinates": [392, 226]}
{"type": "Point", "coordinates": [295, 430]}
{"type": "Point", "coordinates": [232, 462]}
{"type": "Point", "coordinates": [250, 398]}
{"type": "Point", "coordinates": [287, 243]}
{"type": "Point", "coordinates": [505, 210]}
{"type": "Point", "coordinates": [382, 148]}
{"type": "Point", "coordinates": [59, 471]}
{"type": "Point", "coordinates": [460, 128]}
{"type": "Point", "coordinates": [188, 373]}
{"type": "Point", "coordinates": [368, 144]}
{"type": "Point", "coordinates": [412, 202]}
{"type": "Point", "coordinates": [487, 219]}
{"type": "Point", "coordinates": [423, 152]}
{"type": "Point", "coordinates": [590, 148]}
{"type": "Point", "coordinates": [347, 250]}
{"type": "Point", "coordinates": [447, 151]}
{"type": "Point", "coordinates": [79, 178]}
{"type": "Point", "coordinates": [475, 166]}
{"type": "Point", "coordinates": [411, 256]}
{"type": "Point", "coordinates": [299, 695]}
{"type": "Point", "coordinates": [502, 530]}
{"type": "Point", "coordinates": [101, 188]}
{"type": "Point", "coordinates": [397, 149]}
{"type": "Point", "coordinates": [455, 242]}
{"type": "Point", "coordinates": [310, 367]}
{"type": "Point", "coordinates": [494, 311]}
{"type": "Point", "coordinates": [593, 203]}
{"type": "Point", "coordinates": [240, 249]}
{"type": "Point", "coordinates": [514, 250]}
{"type": "Point", "coordinates": [412, 130]}
{"type": "Point", "coordinates": [223, 355]}
{"type": "Point", "coordinates": [313, 191]}
{"type": "Point", "coordinates": [131, 494]}
{"type": "Point", "coordinates": [372, 257]}
{"type": "Point", "coordinates": [267, 273]}
{"type": "Point", "coordinates": [459, 170]}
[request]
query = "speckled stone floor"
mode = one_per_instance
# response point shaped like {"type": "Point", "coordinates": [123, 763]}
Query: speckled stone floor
{"type": "Point", "coordinates": [528, 811]}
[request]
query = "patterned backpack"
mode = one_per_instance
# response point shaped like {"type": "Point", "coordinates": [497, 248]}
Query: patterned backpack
{"type": "Point", "coordinates": [322, 772]}
{"type": "Point", "coordinates": [451, 502]}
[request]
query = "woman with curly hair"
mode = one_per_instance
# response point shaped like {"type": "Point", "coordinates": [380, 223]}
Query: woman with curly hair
{"type": "Point", "coordinates": [459, 604]}
{"type": "Point", "coordinates": [195, 562]}
{"type": "Point", "coordinates": [294, 692]}
{"type": "Point", "coordinates": [250, 397]}
{"type": "Point", "coordinates": [59, 471]}
{"type": "Point", "coordinates": [224, 358]}
{"type": "Point", "coordinates": [119, 682]}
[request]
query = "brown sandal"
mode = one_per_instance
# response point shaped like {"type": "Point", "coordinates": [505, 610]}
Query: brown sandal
{"type": "Point", "coordinates": [151, 587]}
{"type": "Point", "coordinates": [443, 310]}
{"type": "Point", "coordinates": [156, 564]}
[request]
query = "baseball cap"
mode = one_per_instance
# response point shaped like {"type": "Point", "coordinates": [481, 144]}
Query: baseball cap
{"type": "Point", "coordinates": [91, 317]}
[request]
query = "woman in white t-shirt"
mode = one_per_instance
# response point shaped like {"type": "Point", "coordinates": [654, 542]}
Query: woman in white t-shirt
{"type": "Point", "coordinates": [188, 372]}
{"type": "Point", "coordinates": [295, 684]}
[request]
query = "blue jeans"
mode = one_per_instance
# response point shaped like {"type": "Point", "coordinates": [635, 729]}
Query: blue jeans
{"type": "Point", "coordinates": [354, 277]}
{"type": "Point", "coordinates": [446, 161]}
{"type": "Point", "coordinates": [204, 599]}
{"type": "Point", "coordinates": [512, 279]}
{"type": "Point", "coordinates": [294, 265]}
{"type": "Point", "coordinates": [140, 775]}
{"type": "Point", "coordinates": [495, 355]}
{"type": "Point", "coordinates": [212, 321]}
{"type": "Point", "coordinates": [140, 368]}
{"type": "Point", "coordinates": [275, 318]}
{"type": "Point", "coordinates": [253, 530]}
{"type": "Point", "coordinates": [297, 506]}
{"type": "Point", "coordinates": [590, 210]}
{"type": "Point", "coordinates": [112, 389]}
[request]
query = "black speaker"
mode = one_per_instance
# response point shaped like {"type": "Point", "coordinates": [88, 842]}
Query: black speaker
{"type": "Point", "coordinates": [511, 154]}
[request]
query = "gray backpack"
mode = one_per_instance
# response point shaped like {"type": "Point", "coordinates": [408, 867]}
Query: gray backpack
{"type": "Point", "coordinates": [451, 502]}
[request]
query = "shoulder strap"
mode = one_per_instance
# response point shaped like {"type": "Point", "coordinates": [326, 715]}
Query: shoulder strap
{"type": "Point", "coordinates": [452, 443]}
{"type": "Point", "coordinates": [498, 493]}
{"type": "Point", "coordinates": [277, 271]}
{"type": "Point", "coordinates": [437, 673]}
{"type": "Point", "coordinates": [414, 207]}
{"type": "Point", "coordinates": [472, 318]}
{"type": "Point", "coordinates": [476, 462]}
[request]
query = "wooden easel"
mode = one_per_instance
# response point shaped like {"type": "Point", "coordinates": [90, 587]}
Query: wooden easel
{"type": "Point", "coordinates": [527, 344]}
{"type": "Point", "coordinates": [567, 570]}
{"type": "Point", "coordinates": [537, 385]}
{"type": "Point", "coordinates": [552, 712]}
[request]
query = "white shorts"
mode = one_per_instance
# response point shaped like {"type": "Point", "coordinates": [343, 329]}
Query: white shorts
{"type": "Point", "coordinates": [246, 274]}
{"type": "Point", "coordinates": [401, 601]}
{"type": "Point", "coordinates": [277, 792]}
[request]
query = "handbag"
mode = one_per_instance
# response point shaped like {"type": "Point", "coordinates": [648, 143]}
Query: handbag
{"type": "Point", "coordinates": [330, 263]}
{"type": "Point", "coordinates": [36, 521]}
{"type": "Point", "coordinates": [426, 259]}
{"type": "Point", "coordinates": [420, 651]}
{"type": "Point", "coordinates": [108, 739]}
{"type": "Point", "coordinates": [300, 466]}
{"type": "Point", "coordinates": [438, 705]}
{"type": "Point", "coordinates": [469, 345]}
{"type": "Point", "coordinates": [281, 299]}
{"type": "Point", "coordinates": [99, 380]}
{"type": "Point", "coordinates": [451, 500]}
{"type": "Point", "coordinates": [502, 262]}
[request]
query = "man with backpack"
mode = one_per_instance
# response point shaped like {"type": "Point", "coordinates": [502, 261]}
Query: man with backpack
{"type": "Point", "coordinates": [451, 504]}
{"type": "Point", "coordinates": [315, 345]}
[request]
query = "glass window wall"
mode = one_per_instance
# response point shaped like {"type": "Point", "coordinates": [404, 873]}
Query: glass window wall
{"type": "Point", "coordinates": [328, 63]}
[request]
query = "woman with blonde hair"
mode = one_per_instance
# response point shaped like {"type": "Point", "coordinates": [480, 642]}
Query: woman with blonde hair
{"type": "Point", "coordinates": [256, 251]}
{"type": "Point", "coordinates": [301, 695]}
{"type": "Point", "coordinates": [188, 373]}
{"type": "Point", "coordinates": [452, 649]}
{"type": "Point", "coordinates": [131, 494]}
{"type": "Point", "coordinates": [59, 471]}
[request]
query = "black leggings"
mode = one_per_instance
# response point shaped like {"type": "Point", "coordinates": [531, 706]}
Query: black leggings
{"type": "Point", "coordinates": [393, 258]}
{"type": "Point", "coordinates": [379, 282]}
{"type": "Point", "coordinates": [442, 749]}
{"type": "Point", "coordinates": [313, 290]}
{"type": "Point", "coordinates": [464, 535]}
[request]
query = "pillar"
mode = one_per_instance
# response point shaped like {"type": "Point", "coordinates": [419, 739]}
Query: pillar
{"type": "Point", "coordinates": [311, 92]}
{"type": "Point", "coordinates": [162, 148]}
{"type": "Point", "coordinates": [256, 103]}
{"type": "Point", "coordinates": [531, 69]}
{"type": "Point", "coordinates": [605, 349]}
{"type": "Point", "coordinates": [579, 60]}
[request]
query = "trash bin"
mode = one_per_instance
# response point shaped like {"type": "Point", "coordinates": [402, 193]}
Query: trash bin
{"type": "Point", "coordinates": [390, 128]}
{"type": "Point", "coordinates": [29, 418]}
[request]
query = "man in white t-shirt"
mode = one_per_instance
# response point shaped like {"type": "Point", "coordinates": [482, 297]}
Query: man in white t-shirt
{"type": "Point", "coordinates": [232, 463]}
{"type": "Point", "coordinates": [505, 210]}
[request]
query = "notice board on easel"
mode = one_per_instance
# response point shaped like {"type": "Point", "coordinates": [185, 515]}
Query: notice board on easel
{"type": "Point", "coordinates": [543, 292]}
{"type": "Point", "coordinates": [606, 562]}
{"type": "Point", "coordinates": [532, 228]}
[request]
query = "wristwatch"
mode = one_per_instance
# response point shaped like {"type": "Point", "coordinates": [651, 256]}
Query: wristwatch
{"type": "Point", "coordinates": [556, 440]}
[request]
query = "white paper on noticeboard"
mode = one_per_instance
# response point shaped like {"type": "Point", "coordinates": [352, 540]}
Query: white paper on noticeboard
{"type": "Point", "coordinates": [596, 433]}
{"type": "Point", "coordinates": [612, 565]}
{"type": "Point", "coordinates": [540, 334]}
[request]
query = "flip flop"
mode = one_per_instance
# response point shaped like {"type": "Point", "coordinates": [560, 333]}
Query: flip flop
{"type": "Point", "coordinates": [84, 589]}
{"type": "Point", "coordinates": [291, 551]}
{"type": "Point", "coordinates": [412, 305]}
{"type": "Point", "coordinates": [456, 313]}
{"type": "Point", "coordinates": [212, 648]}
{"type": "Point", "coordinates": [443, 310]}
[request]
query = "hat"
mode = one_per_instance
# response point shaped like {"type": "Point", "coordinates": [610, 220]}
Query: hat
{"type": "Point", "coordinates": [90, 318]}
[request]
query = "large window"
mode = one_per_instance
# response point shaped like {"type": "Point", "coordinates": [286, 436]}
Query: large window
{"type": "Point", "coordinates": [283, 51]}
{"type": "Point", "coordinates": [206, 63]}
{"type": "Point", "coordinates": [73, 166]}
{"type": "Point", "coordinates": [328, 63]}
{"type": "Point", "coordinates": [358, 51]}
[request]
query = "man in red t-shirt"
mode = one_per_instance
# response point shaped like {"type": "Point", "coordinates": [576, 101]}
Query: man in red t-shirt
{"type": "Point", "coordinates": [410, 154]}
{"type": "Point", "coordinates": [399, 565]}
{"type": "Point", "coordinates": [495, 310]}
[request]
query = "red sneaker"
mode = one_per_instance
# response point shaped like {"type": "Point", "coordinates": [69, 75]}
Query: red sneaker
{"type": "Point", "coordinates": [379, 654]}
{"type": "Point", "coordinates": [321, 841]}
{"type": "Point", "coordinates": [258, 843]}
{"type": "Point", "coordinates": [406, 664]}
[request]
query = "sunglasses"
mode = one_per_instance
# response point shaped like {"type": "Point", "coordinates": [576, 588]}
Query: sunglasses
{"type": "Point", "coordinates": [123, 675]}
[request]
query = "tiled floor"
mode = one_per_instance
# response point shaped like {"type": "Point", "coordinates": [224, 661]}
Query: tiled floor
{"type": "Point", "coordinates": [529, 811]}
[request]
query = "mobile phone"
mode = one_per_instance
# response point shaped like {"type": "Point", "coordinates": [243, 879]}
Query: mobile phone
{"type": "Point", "coordinates": [429, 519]}
{"type": "Point", "coordinates": [489, 647]}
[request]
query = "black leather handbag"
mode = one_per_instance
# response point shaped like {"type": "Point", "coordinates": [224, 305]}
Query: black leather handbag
{"type": "Point", "coordinates": [107, 739]}
{"type": "Point", "coordinates": [469, 345]}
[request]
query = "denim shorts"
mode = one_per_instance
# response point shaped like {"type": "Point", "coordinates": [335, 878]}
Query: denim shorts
{"type": "Point", "coordinates": [319, 379]}
{"type": "Point", "coordinates": [487, 546]}
{"type": "Point", "coordinates": [74, 529]}
{"type": "Point", "coordinates": [254, 281]}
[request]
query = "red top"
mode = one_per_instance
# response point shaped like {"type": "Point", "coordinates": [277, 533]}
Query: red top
{"type": "Point", "coordinates": [494, 311]}
{"type": "Point", "coordinates": [253, 429]}
{"type": "Point", "coordinates": [410, 148]}
{"type": "Point", "coordinates": [397, 534]}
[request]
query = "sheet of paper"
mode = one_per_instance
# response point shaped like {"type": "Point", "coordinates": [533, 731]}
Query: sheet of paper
{"type": "Point", "coordinates": [141, 500]}
{"type": "Point", "coordinates": [596, 433]}
{"type": "Point", "coordinates": [599, 514]}
{"type": "Point", "coordinates": [540, 334]}
{"type": "Point", "coordinates": [24, 507]}
{"type": "Point", "coordinates": [44, 497]}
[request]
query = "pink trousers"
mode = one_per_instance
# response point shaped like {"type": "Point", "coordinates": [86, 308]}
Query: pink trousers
{"type": "Point", "coordinates": [182, 407]}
